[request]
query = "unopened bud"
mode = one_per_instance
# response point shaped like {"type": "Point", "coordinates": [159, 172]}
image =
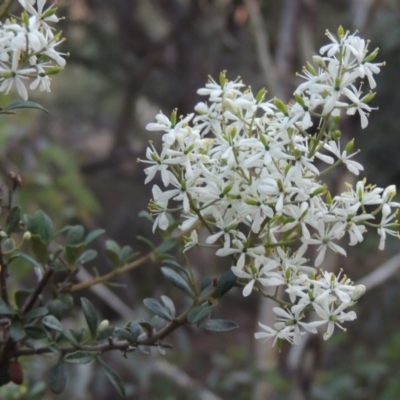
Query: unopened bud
{"type": "Point", "coordinates": [340, 32]}
{"type": "Point", "coordinates": [311, 69]}
{"type": "Point", "coordinates": [260, 95]}
{"type": "Point", "coordinates": [372, 56]}
{"type": "Point", "coordinates": [319, 62]}
{"type": "Point", "coordinates": [104, 324]}
{"type": "Point", "coordinates": [230, 105]}
{"type": "Point", "coordinates": [368, 98]}
{"type": "Point", "coordinates": [173, 117]}
{"type": "Point", "coordinates": [222, 79]}
{"type": "Point", "coordinates": [358, 291]}
{"type": "Point", "coordinates": [336, 134]}
{"type": "Point", "coordinates": [280, 105]}
{"type": "Point", "coordinates": [349, 146]}
{"type": "Point", "coordinates": [26, 236]}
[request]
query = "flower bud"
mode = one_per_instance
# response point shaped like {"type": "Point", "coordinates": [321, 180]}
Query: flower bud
{"type": "Point", "coordinates": [349, 146]}
{"type": "Point", "coordinates": [53, 71]}
{"type": "Point", "coordinates": [26, 236]}
{"type": "Point", "coordinates": [230, 105]}
{"type": "Point", "coordinates": [260, 95]}
{"type": "Point", "coordinates": [372, 56]}
{"type": "Point", "coordinates": [368, 98]}
{"type": "Point", "coordinates": [280, 105]}
{"type": "Point", "coordinates": [340, 32]}
{"type": "Point", "coordinates": [173, 117]}
{"type": "Point", "coordinates": [222, 79]}
{"type": "Point", "coordinates": [104, 324]}
{"type": "Point", "coordinates": [311, 69]}
{"type": "Point", "coordinates": [358, 291]}
{"type": "Point", "coordinates": [300, 100]}
{"type": "Point", "coordinates": [336, 134]}
{"type": "Point", "coordinates": [319, 62]}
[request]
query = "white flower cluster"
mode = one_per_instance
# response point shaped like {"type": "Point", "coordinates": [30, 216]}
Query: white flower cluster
{"type": "Point", "coordinates": [250, 170]}
{"type": "Point", "coordinates": [28, 49]}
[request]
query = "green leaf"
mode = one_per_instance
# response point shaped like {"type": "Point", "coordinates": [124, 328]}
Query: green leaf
{"type": "Point", "coordinates": [73, 252]}
{"type": "Point", "coordinates": [113, 377]}
{"type": "Point", "coordinates": [6, 309]}
{"type": "Point", "coordinates": [169, 305]}
{"type": "Point", "coordinates": [91, 316]}
{"type": "Point", "coordinates": [113, 251]}
{"type": "Point", "coordinates": [75, 235]}
{"type": "Point", "coordinates": [21, 296]}
{"type": "Point", "coordinates": [17, 331]}
{"type": "Point", "coordinates": [57, 378]}
{"type": "Point", "coordinates": [135, 330]}
{"type": "Point", "coordinates": [24, 104]}
{"type": "Point", "coordinates": [37, 312]}
{"type": "Point", "coordinates": [126, 254]}
{"type": "Point", "coordinates": [55, 308]}
{"type": "Point", "coordinates": [40, 224]}
{"type": "Point", "coordinates": [7, 245]}
{"type": "Point", "coordinates": [93, 235]}
{"type": "Point", "coordinates": [226, 282]}
{"type": "Point", "coordinates": [147, 215]}
{"type": "Point", "coordinates": [86, 256]}
{"type": "Point", "coordinates": [220, 325]}
{"type": "Point", "coordinates": [205, 283]}
{"type": "Point", "coordinates": [148, 328]}
{"type": "Point", "coordinates": [81, 357]}
{"type": "Point", "coordinates": [147, 241]}
{"type": "Point", "coordinates": [54, 324]}
{"type": "Point", "coordinates": [175, 279]}
{"type": "Point", "coordinates": [175, 263]}
{"type": "Point", "coordinates": [123, 334]}
{"type": "Point", "coordinates": [39, 249]}
{"type": "Point", "coordinates": [31, 260]}
{"type": "Point", "coordinates": [35, 332]}
{"type": "Point", "coordinates": [167, 245]}
{"type": "Point", "coordinates": [13, 219]}
{"type": "Point", "coordinates": [66, 300]}
{"type": "Point", "coordinates": [199, 313]}
{"type": "Point", "coordinates": [156, 308]}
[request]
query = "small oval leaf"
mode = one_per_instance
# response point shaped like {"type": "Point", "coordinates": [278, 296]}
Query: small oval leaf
{"type": "Point", "coordinates": [175, 279]}
{"type": "Point", "coordinates": [156, 308]}
{"type": "Point", "coordinates": [81, 357]}
{"type": "Point", "coordinates": [13, 218]}
{"type": "Point", "coordinates": [199, 313]}
{"type": "Point", "coordinates": [57, 378]}
{"type": "Point", "coordinates": [113, 377]}
{"type": "Point", "coordinates": [226, 282]}
{"type": "Point", "coordinates": [220, 325]}
{"type": "Point", "coordinates": [91, 316]}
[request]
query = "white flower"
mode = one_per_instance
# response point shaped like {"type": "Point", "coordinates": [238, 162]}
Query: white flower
{"type": "Point", "coordinates": [325, 238]}
{"type": "Point", "coordinates": [333, 316]}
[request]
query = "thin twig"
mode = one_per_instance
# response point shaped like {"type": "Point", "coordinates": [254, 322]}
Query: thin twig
{"type": "Point", "coordinates": [41, 285]}
{"type": "Point", "coordinates": [381, 274]}
{"type": "Point", "coordinates": [128, 267]}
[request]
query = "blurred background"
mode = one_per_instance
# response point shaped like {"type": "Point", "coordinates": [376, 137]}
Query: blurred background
{"type": "Point", "coordinates": [128, 60]}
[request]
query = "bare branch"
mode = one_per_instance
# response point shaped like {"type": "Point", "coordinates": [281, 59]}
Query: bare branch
{"type": "Point", "coordinates": [381, 274]}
